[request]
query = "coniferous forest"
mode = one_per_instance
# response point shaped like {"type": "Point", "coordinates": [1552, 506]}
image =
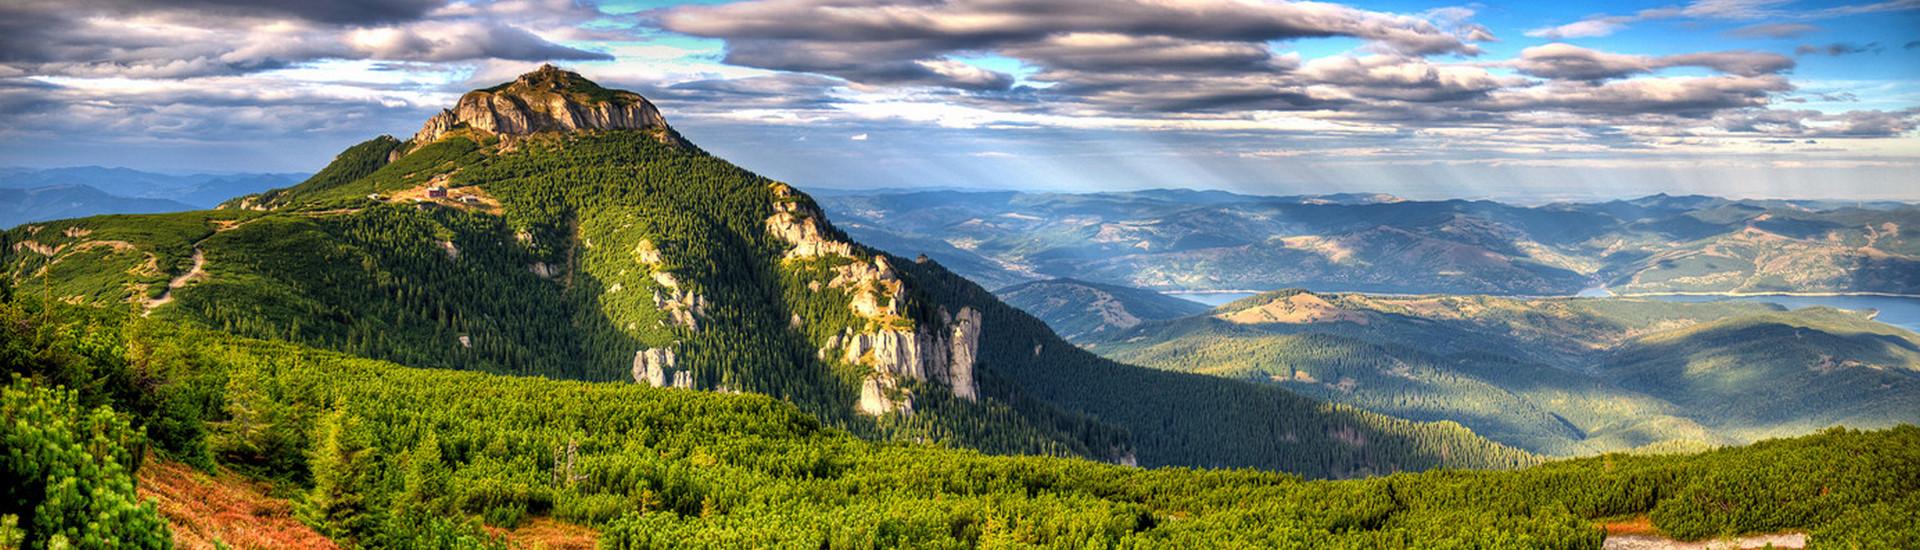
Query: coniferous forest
{"type": "Point", "coordinates": [381, 455]}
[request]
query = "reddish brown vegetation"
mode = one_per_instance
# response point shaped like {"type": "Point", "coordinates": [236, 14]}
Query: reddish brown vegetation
{"type": "Point", "coordinates": [236, 511]}
{"type": "Point", "coordinates": [1637, 525]}
{"type": "Point", "coordinates": [548, 534]}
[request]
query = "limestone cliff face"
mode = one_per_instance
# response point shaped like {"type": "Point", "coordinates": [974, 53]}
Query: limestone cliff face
{"type": "Point", "coordinates": [682, 306]}
{"type": "Point", "coordinates": [546, 100]}
{"type": "Point", "coordinates": [944, 354]}
{"type": "Point", "coordinates": [942, 350]}
{"type": "Point", "coordinates": [655, 367]}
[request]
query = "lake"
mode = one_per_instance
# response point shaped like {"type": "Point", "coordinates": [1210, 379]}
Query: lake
{"type": "Point", "coordinates": [1894, 310]}
{"type": "Point", "coordinates": [1210, 297]}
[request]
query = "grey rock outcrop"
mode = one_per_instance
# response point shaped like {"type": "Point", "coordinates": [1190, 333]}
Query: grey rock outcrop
{"type": "Point", "coordinates": [655, 367]}
{"type": "Point", "coordinates": [942, 350]}
{"type": "Point", "coordinates": [546, 100]}
{"type": "Point", "coordinates": [965, 343]}
{"type": "Point", "coordinates": [944, 353]}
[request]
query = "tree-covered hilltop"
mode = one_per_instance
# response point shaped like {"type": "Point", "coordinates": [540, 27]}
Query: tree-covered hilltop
{"type": "Point", "coordinates": [1079, 310]}
{"type": "Point", "coordinates": [378, 455]}
{"type": "Point", "coordinates": [1556, 376]}
{"type": "Point", "coordinates": [609, 253]}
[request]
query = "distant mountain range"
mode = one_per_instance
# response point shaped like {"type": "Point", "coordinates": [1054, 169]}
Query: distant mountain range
{"type": "Point", "coordinates": [30, 195]}
{"type": "Point", "coordinates": [53, 202]}
{"type": "Point", "coordinates": [1554, 375]}
{"type": "Point", "coordinates": [1214, 240]}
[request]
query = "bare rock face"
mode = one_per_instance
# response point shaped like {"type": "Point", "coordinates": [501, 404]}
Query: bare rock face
{"type": "Point", "coordinates": [965, 343]}
{"type": "Point", "coordinates": [942, 351]}
{"type": "Point", "coordinates": [802, 225]}
{"type": "Point", "coordinates": [655, 367]}
{"type": "Point", "coordinates": [682, 306]}
{"type": "Point", "coordinates": [543, 270]}
{"type": "Point", "coordinates": [879, 395]}
{"type": "Point", "coordinates": [546, 100]}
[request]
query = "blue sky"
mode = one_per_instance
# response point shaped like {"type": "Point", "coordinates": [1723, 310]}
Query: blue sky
{"type": "Point", "coordinates": [1518, 101]}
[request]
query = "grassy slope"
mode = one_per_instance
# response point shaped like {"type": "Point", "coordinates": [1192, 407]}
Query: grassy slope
{"type": "Point", "coordinates": [228, 508]}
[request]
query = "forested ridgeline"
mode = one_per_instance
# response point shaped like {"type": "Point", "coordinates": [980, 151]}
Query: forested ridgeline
{"type": "Point", "coordinates": [1195, 420]}
{"type": "Point", "coordinates": [1081, 310]}
{"type": "Point", "coordinates": [1556, 376]}
{"type": "Point", "coordinates": [582, 249]}
{"type": "Point", "coordinates": [380, 455]}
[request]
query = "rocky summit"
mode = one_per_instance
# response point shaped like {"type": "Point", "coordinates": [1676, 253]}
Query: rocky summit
{"type": "Point", "coordinates": [545, 100]}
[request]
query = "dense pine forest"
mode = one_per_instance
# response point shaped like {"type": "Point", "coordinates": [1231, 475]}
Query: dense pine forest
{"type": "Point", "coordinates": [380, 455]}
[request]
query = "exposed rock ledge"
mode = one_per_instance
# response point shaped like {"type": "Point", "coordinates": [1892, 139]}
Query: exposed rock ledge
{"type": "Point", "coordinates": [943, 354]}
{"type": "Point", "coordinates": [546, 100]}
{"type": "Point", "coordinates": [655, 367]}
{"type": "Point", "coordinates": [942, 351]}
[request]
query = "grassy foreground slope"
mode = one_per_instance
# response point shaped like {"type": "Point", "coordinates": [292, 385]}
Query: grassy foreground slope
{"type": "Point", "coordinates": [388, 456]}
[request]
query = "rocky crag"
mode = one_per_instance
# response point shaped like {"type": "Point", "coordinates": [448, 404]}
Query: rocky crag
{"type": "Point", "coordinates": [547, 100]}
{"type": "Point", "coordinates": [895, 347]}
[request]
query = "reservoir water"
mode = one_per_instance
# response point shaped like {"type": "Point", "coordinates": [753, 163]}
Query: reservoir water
{"type": "Point", "coordinates": [1898, 311]}
{"type": "Point", "coordinates": [1210, 297]}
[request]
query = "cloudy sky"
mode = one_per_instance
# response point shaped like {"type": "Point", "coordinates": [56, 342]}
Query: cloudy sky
{"type": "Point", "coordinates": [1515, 100]}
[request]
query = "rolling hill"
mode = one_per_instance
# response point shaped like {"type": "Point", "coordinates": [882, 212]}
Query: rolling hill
{"type": "Point", "coordinates": [196, 190]}
{"type": "Point", "coordinates": [1556, 376]}
{"type": "Point", "coordinates": [1078, 310]}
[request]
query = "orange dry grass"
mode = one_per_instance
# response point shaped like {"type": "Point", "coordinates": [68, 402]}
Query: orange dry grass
{"type": "Point", "coordinates": [228, 508]}
{"type": "Point", "coordinates": [1637, 525]}
{"type": "Point", "coordinates": [545, 533]}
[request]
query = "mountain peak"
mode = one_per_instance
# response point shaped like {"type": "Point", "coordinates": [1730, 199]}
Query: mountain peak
{"type": "Point", "coordinates": [549, 78]}
{"type": "Point", "coordinates": [549, 99]}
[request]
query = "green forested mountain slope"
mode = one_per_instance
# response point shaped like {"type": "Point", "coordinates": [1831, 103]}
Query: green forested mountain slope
{"type": "Point", "coordinates": [379, 455]}
{"type": "Point", "coordinates": [623, 253]}
{"type": "Point", "coordinates": [1557, 376]}
{"type": "Point", "coordinates": [1079, 309]}
{"type": "Point", "coordinates": [1194, 420]}
{"type": "Point", "coordinates": [1777, 373]}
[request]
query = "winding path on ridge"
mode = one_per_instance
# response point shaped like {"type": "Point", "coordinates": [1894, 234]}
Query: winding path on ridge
{"type": "Point", "coordinates": [198, 271]}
